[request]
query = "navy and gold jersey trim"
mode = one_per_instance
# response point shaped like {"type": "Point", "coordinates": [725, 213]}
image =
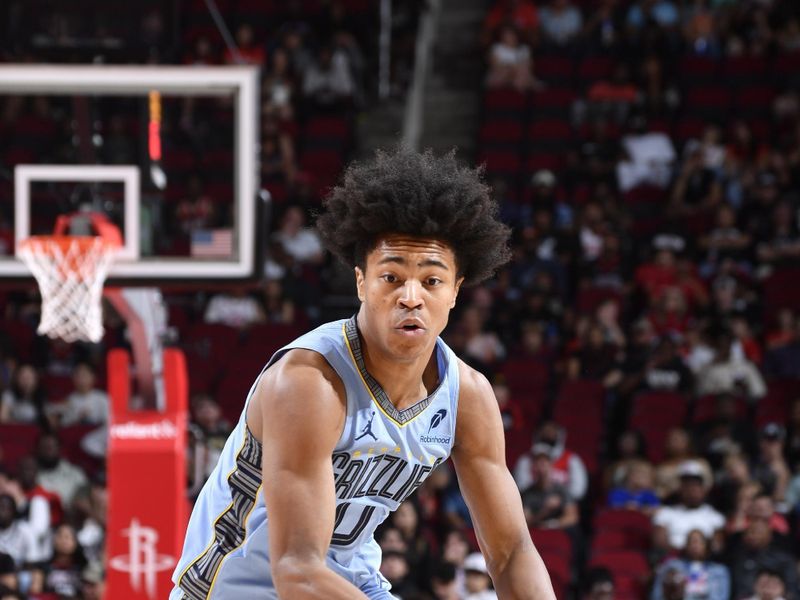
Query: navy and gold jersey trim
{"type": "Point", "coordinates": [401, 417]}
{"type": "Point", "coordinates": [230, 527]}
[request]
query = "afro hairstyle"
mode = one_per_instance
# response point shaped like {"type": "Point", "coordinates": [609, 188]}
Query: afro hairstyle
{"type": "Point", "coordinates": [406, 192]}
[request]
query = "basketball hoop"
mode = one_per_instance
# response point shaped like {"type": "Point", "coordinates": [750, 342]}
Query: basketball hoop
{"type": "Point", "coordinates": [70, 271]}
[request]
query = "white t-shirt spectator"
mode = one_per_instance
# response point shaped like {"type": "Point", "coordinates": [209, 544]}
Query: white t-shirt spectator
{"type": "Point", "coordinates": [18, 542]}
{"type": "Point", "coordinates": [561, 26]}
{"type": "Point", "coordinates": [65, 480]}
{"type": "Point", "coordinates": [304, 246]}
{"type": "Point", "coordinates": [722, 378]}
{"type": "Point", "coordinates": [680, 520]}
{"type": "Point", "coordinates": [234, 311]}
{"type": "Point", "coordinates": [85, 408]}
{"type": "Point", "coordinates": [507, 55]}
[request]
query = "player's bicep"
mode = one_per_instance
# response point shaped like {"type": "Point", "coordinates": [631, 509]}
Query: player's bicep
{"type": "Point", "coordinates": [301, 418]}
{"type": "Point", "coordinates": [484, 478]}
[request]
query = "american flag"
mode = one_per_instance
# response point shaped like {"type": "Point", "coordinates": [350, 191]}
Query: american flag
{"type": "Point", "coordinates": [212, 243]}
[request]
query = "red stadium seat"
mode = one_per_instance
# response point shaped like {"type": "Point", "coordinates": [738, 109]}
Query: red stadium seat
{"type": "Point", "coordinates": [697, 69]}
{"type": "Point", "coordinates": [17, 441]}
{"type": "Point", "coordinates": [504, 131]}
{"type": "Point", "coordinates": [594, 68]}
{"type": "Point", "coordinates": [525, 375]}
{"type": "Point", "coordinates": [781, 290]}
{"type": "Point", "coordinates": [705, 408]}
{"type": "Point", "coordinates": [653, 414]}
{"type": "Point", "coordinates": [554, 69]}
{"type": "Point", "coordinates": [552, 541]}
{"type": "Point", "coordinates": [709, 101]}
{"type": "Point", "coordinates": [504, 102]}
{"type": "Point", "coordinates": [550, 134]}
{"type": "Point", "coordinates": [745, 70]}
{"type": "Point", "coordinates": [552, 102]}
{"type": "Point", "coordinates": [500, 163]}
{"type": "Point", "coordinates": [630, 569]}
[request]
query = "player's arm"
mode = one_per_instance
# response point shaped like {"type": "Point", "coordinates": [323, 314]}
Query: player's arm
{"type": "Point", "coordinates": [300, 409]}
{"type": "Point", "coordinates": [492, 496]}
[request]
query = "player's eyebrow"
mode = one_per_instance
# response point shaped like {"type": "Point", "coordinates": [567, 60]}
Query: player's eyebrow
{"type": "Point", "coordinates": [428, 262]}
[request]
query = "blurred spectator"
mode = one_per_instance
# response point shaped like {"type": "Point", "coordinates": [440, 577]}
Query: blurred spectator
{"type": "Point", "coordinates": [637, 490]}
{"type": "Point", "coordinates": [209, 432]}
{"type": "Point", "coordinates": [781, 246]}
{"type": "Point", "coordinates": [677, 450]}
{"type": "Point", "coordinates": [770, 468]}
{"type": "Point", "coordinates": [522, 14]}
{"type": "Point", "coordinates": [547, 504]}
{"type": "Point", "coordinates": [277, 149]}
{"type": "Point", "coordinates": [629, 450]}
{"type": "Point", "coordinates": [86, 405]}
{"type": "Point", "coordinates": [28, 476]}
{"type": "Point", "coordinates": [482, 344]}
{"type": "Point", "coordinates": [418, 550]}
{"type": "Point", "coordinates": [278, 308]}
{"type": "Point", "coordinates": [197, 209]}
{"type": "Point", "coordinates": [704, 579]}
{"type": "Point", "coordinates": [16, 538]}
{"type": "Point", "coordinates": [566, 467]}
{"type": "Point", "coordinates": [725, 242]}
{"type": "Point", "coordinates": [648, 160]}
{"type": "Point", "coordinates": [724, 375]}
{"type": "Point", "coordinates": [34, 510]}
{"type": "Point", "coordinates": [696, 190]}
{"type": "Point", "coordinates": [662, 12]}
{"type": "Point", "coordinates": [510, 62]}
{"type": "Point", "coordinates": [248, 48]}
{"type": "Point", "coordinates": [93, 582]}
{"type": "Point", "coordinates": [61, 574]}
{"type": "Point", "coordinates": [754, 552]}
{"type": "Point", "coordinates": [443, 582]}
{"type": "Point", "coordinates": [327, 82]}
{"type": "Point", "coordinates": [664, 370]}
{"type": "Point", "coordinates": [301, 243]}
{"type": "Point", "coordinates": [477, 582]}
{"type": "Point", "coordinates": [455, 549]}
{"type": "Point", "coordinates": [670, 313]}
{"type": "Point", "coordinates": [770, 585]}
{"type": "Point", "coordinates": [396, 569]}
{"type": "Point", "coordinates": [278, 86]}
{"type": "Point", "coordinates": [672, 524]}
{"type": "Point", "coordinates": [57, 474]}
{"type": "Point", "coordinates": [24, 401]}
{"type": "Point", "coordinates": [726, 433]}
{"type": "Point", "coordinates": [599, 584]}
{"type": "Point", "coordinates": [613, 98]}
{"type": "Point", "coordinates": [699, 28]}
{"type": "Point", "coordinates": [560, 22]}
{"type": "Point", "coordinates": [89, 514]}
{"type": "Point", "coordinates": [8, 574]}
{"type": "Point", "coordinates": [237, 309]}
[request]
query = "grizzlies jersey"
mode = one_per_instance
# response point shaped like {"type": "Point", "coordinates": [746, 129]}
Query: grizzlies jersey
{"type": "Point", "coordinates": [382, 456]}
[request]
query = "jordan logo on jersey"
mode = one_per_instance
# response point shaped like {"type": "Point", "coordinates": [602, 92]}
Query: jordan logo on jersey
{"type": "Point", "coordinates": [368, 429]}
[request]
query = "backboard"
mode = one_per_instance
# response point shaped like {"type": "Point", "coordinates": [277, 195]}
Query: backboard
{"type": "Point", "coordinates": [169, 154]}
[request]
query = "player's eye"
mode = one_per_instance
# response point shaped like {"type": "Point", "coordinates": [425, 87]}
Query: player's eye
{"type": "Point", "coordinates": [433, 281]}
{"type": "Point", "coordinates": [389, 278]}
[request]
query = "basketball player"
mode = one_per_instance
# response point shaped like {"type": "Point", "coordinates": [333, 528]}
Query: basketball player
{"type": "Point", "coordinates": [344, 423]}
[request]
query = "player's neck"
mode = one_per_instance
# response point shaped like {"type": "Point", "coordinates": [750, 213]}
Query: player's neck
{"type": "Point", "coordinates": [405, 382]}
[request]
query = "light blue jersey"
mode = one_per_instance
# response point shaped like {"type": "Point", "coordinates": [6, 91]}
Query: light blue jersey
{"type": "Point", "coordinates": [382, 456]}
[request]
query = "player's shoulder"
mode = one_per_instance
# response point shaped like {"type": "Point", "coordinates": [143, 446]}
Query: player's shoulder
{"type": "Point", "coordinates": [474, 390]}
{"type": "Point", "coordinates": [303, 368]}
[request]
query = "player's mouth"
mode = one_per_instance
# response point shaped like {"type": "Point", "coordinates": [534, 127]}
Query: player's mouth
{"type": "Point", "coordinates": [411, 327]}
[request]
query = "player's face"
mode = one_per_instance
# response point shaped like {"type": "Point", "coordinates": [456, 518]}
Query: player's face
{"type": "Point", "coordinates": [407, 289]}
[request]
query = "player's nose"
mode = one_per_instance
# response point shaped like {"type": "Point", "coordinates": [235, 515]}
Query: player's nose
{"type": "Point", "coordinates": [411, 294]}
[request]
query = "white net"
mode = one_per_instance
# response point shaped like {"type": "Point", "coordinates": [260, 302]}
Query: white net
{"type": "Point", "coordinates": [70, 271]}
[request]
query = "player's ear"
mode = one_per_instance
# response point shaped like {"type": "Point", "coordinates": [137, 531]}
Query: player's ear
{"type": "Point", "coordinates": [360, 283]}
{"type": "Point", "coordinates": [455, 293]}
